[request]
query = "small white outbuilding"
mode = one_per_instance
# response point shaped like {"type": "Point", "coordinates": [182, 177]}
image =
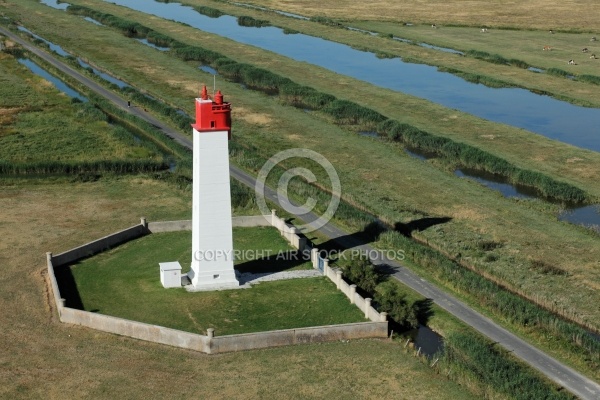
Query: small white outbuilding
{"type": "Point", "coordinates": [170, 274]}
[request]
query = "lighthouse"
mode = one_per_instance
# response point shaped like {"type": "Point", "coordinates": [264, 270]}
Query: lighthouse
{"type": "Point", "coordinates": [212, 242]}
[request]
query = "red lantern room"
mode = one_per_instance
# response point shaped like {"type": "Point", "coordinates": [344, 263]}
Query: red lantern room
{"type": "Point", "coordinates": [212, 115]}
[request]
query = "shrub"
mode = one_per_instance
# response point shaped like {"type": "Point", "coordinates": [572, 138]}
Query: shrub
{"type": "Point", "coordinates": [390, 300]}
{"type": "Point", "coordinates": [363, 274]}
{"type": "Point", "coordinates": [209, 11]}
{"type": "Point", "coordinates": [245, 20]}
{"type": "Point", "coordinates": [593, 79]}
{"type": "Point", "coordinates": [557, 72]}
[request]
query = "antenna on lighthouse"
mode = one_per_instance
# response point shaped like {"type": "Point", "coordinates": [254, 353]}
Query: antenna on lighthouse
{"type": "Point", "coordinates": [214, 84]}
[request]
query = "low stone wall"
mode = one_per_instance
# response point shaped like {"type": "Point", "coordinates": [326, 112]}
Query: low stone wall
{"type": "Point", "coordinates": [170, 226]}
{"type": "Point", "coordinates": [289, 232]}
{"type": "Point", "coordinates": [58, 301]}
{"type": "Point", "coordinates": [97, 246]}
{"type": "Point", "coordinates": [249, 221]}
{"type": "Point", "coordinates": [186, 225]}
{"type": "Point", "coordinates": [349, 290]}
{"type": "Point", "coordinates": [208, 344]}
{"type": "Point", "coordinates": [211, 344]}
{"type": "Point", "coordinates": [137, 330]}
{"type": "Point", "coordinates": [288, 337]}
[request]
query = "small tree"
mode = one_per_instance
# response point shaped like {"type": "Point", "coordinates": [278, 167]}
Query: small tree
{"type": "Point", "coordinates": [363, 274]}
{"type": "Point", "coordinates": [390, 300]}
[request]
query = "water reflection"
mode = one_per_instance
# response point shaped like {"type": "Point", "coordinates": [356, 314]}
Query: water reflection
{"type": "Point", "coordinates": [103, 75]}
{"type": "Point", "coordinates": [55, 4]}
{"type": "Point", "coordinates": [425, 339]}
{"type": "Point", "coordinates": [444, 49]}
{"type": "Point", "coordinates": [54, 47]}
{"type": "Point", "coordinates": [518, 107]}
{"type": "Point", "coordinates": [208, 69]}
{"type": "Point", "coordinates": [588, 216]}
{"type": "Point", "coordinates": [499, 183]}
{"type": "Point", "coordinates": [362, 31]}
{"type": "Point", "coordinates": [147, 43]}
{"type": "Point", "coordinates": [60, 85]}
{"type": "Point", "coordinates": [287, 14]}
{"type": "Point", "coordinates": [419, 154]}
{"type": "Point", "coordinates": [93, 21]}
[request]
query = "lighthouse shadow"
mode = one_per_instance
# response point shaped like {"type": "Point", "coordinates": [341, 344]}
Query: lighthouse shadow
{"type": "Point", "coordinates": [278, 262]}
{"type": "Point", "coordinates": [369, 234]}
{"type": "Point", "coordinates": [282, 265]}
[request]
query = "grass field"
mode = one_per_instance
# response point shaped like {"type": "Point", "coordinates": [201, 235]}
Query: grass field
{"type": "Point", "coordinates": [125, 283]}
{"type": "Point", "coordinates": [524, 43]}
{"type": "Point", "coordinates": [529, 14]}
{"type": "Point", "coordinates": [43, 353]}
{"type": "Point", "coordinates": [411, 190]}
{"type": "Point", "coordinates": [41, 124]}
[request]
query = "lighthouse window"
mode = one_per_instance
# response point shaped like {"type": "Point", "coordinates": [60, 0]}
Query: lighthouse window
{"type": "Point", "coordinates": [212, 124]}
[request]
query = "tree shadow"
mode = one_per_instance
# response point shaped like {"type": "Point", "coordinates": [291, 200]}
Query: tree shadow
{"type": "Point", "coordinates": [419, 225]}
{"type": "Point", "coordinates": [424, 309]}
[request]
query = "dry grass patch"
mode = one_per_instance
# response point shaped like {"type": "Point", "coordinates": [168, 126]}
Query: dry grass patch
{"type": "Point", "coordinates": [251, 117]}
{"type": "Point", "coordinates": [537, 14]}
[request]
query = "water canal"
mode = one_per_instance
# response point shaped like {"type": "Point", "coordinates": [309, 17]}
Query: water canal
{"type": "Point", "coordinates": [588, 215]}
{"type": "Point", "coordinates": [521, 108]}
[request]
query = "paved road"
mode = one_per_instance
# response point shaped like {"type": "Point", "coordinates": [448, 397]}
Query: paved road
{"type": "Point", "coordinates": [570, 379]}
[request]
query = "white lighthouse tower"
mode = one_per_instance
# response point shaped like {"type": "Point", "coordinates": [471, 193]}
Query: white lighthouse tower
{"type": "Point", "coordinates": [212, 242]}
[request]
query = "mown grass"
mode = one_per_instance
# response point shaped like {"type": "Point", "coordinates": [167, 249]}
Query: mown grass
{"type": "Point", "coordinates": [476, 213]}
{"type": "Point", "coordinates": [125, 283]}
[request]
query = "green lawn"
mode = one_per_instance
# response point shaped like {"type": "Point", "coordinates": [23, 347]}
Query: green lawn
{"type": "Point", "coordinates": [124, 282]}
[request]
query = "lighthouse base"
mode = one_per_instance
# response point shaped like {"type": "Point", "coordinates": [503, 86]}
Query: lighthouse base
{"type": "Point", "coordinates": [212, 280]}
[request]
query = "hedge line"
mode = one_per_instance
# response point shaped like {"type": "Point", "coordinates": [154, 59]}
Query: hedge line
{"type": "Point", "coordinates": [56, 167]}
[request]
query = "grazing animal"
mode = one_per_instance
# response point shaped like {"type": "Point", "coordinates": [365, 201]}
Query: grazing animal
{"type": "Point", "coordinates": [551, 32]}
{"type": "Point", "coordinates": [571, 62]}
{"type": "Point", "coordinates": [434, 26]}
{"type": "Point", "coordinates": [549, 48]}
{"type": "Point", "coordinates": [483, 30]}
{"type": "Point", "coordinates": [593, 39]}
{"type": "Point", "coordinates": [584, 50]}
{"type": "Point", "coordinates": [593, 56]}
